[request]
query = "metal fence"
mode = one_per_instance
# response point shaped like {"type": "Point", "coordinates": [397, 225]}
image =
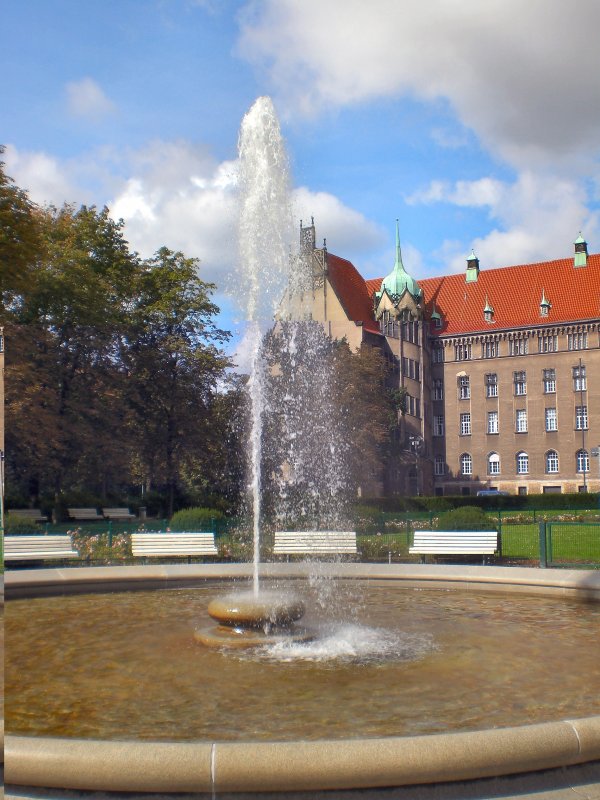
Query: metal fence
{"type": "Point", "coordinates": [386, 538]}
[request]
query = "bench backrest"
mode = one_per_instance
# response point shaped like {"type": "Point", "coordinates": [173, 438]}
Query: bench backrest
{"type": "Point", "coordinates": [459, 542]}
{"type": "Point", "coordinates": [117, 512]}
{"type": "Point", "coordinates": [30, 547]}
{"type": "Point", "coordinates": [84, 513]}
{"type": "Point", "coordinates": [164, 544]}
{"type": "Point", "coordinates": [30, 513]}
{"type": "Point", "coordinates": [315, 542]}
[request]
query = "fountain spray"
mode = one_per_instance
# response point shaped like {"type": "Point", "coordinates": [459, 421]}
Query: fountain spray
{"type": "Point", "coordinates": [264, 235]}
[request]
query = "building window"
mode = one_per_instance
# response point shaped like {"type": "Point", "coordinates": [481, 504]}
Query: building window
{"type": "Point", "coordinates": [493, 464]}
{"type": "Point", "coordinates": [520, 382]}
{"type": "Point", "coordinates": [466, 464]}
{"type": "Point", "coordinates": [438, 389]}
{"type": "Point", "coordinates": [522, 463]}
{"type": "Point", "coordinates": [551, 461]}
{"type": "Point", "coordinates": [577, 341]}
{"type": "Point", "coordinates": [411, 368]}
{"type": "Point", "coordinates": [462, 352]}
{"type": "Point", "coordinates": [438, 425]}
{"type": "Point", "coordinates": [549, 381]}
{"type": "Point", "coordinates": [491, 385]}
{"type": "Point", "coordinates": [547, 344]}
{"type": "Point", "coordinates": [437, 353]}
{"type": "Point", "coordinates": [410, 331]}
{"type": "Point", "coordinates": [521, 420]}
{"type": "Point", "coordinates": [551, 420]}
{"type": "Point", "coordinates": [464, 387]}
{"type": "Point", "coordinates": [489, 349]}
{"type": "Point", "coordinates": [581, 418]}
{"type": "Point", "coordinates": [465, 424]}
{"type": "Point", "coordinates": [582, 458]}
{"type": "Point", "coordinates": [492, 422]}
{"type": "Point", "coordinates": [439, 466]}
{"type": "Point", "coordinates": [518, 347]}
{"type": "Point", "coordinates": [579, 379]}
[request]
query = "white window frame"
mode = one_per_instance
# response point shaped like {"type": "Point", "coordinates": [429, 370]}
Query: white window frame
{"type": "Point", "coordinates": [520, 383]}
{"type": "Point", "coordinates": [582, 460]}
{"type": "Point", "coordinates": [439, 466]}
{"type": "Point", "coordinates": [464, 387]}
{"type": "Point", "coordinates": [521, 420]}
{"type": "Point", "coordinates": [552, 463]}
{"type": "Point", "coordinates": [492, 422]}
{"type": "Point", "coordinates": [466, 464]}
{"type": "Point", "coordinates": [581, 418]}
{"type": "Point", "coordinates": [579, 379]}
{"type": "Point", "coordinates": [551, 419]}
{"type": "Point", "coordinates": [438, 425]}
{"type": "Point", "coordinates": [549, 381]}
{"type": "Point", "coordinates": [493, 464]}
{"type": "Point", "coordinates": [522, 463]}
{"type": "Point", "coordinates": [465, 424]}
{"type": "Point", "coordinates": [491, 385]}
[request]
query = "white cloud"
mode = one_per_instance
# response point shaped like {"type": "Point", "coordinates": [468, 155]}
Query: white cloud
{"type": "Point", "coordinates": [86, 99]}
{"type": "Point", "coordinates": [43, 176]}
{"type": "Point", "coordinates": [346, 230]}
{"type": "Point", "coordinates": [523, 76]}
{"type": "Point", "coordinates": [535, 218]}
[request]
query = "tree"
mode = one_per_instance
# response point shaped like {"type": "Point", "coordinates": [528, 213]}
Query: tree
{"type": "Point", "coordinates": [173, 368]}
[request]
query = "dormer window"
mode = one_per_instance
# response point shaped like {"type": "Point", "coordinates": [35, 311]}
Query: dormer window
{"type": "Point", "coordinates": [488, 311]}
{"type": "Point", "coordinates": [545, 305]}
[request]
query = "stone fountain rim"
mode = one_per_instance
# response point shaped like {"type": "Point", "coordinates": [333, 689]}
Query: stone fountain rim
{"type": "Point", "coordinates": [117, 766]}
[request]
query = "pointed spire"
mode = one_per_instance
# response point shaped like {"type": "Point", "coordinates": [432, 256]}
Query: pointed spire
{"type": "Point", "coordinates": [399, 281]}
{"type": "Point", "coordinates": [398, 264]}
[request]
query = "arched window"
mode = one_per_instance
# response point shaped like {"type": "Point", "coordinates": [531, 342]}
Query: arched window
{"type": "Point", "coordinates": [522, 463]}
{"type": "Point", "coordinates": [583, 461]}
{"type": "Point", "coordinates": [551, 461]}
{"type": "Point", "coordinates": [466, 464]}
{"type": "Point", "coordinates": [493, 464]}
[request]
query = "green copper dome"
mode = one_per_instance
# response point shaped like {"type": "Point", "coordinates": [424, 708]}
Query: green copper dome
{"type": "Point", "coordinates": [398, 280]}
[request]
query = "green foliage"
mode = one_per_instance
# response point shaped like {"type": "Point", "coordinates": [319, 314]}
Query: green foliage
{"type": "Point", "coordinates": [195, 519]}
{"type": "Point", "coordinates": [468, 518]}
{"type": "Point", "coordinates": [114, 376]}
{"type": "Point", "coordinates": [14, 524]}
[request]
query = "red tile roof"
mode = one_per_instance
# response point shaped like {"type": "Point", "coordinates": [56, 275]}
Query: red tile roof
{"type": "Point", "coordinates": [351, 291]}
{"type": "Point", "coordinates": [513, 292]}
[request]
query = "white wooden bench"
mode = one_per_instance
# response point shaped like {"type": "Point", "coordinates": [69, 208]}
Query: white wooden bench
{"type": "Point", "coordinates": [117, 513]}
{"type": "Point", "coordinates": [314, 543]}
{"type": "Point", "coordinates": [155, 545]}
{"type": "Point", "coordinates": [454, 543]}
{"type": "Point", "coordinates": [84, 514]}
{"type": "Point", "coordinates": [38, 548]}
{"type": "Point", "coordinates": [31, 514]}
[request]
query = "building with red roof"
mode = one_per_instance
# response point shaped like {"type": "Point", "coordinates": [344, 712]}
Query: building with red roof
{"type": "Point", "coordinates": [498, 369]}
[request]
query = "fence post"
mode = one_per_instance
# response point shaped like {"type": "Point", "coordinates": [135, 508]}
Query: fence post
{"type": "Point", "coordinates": [543, 555]}
{"type": "Point", "coordinates": [110, 533]}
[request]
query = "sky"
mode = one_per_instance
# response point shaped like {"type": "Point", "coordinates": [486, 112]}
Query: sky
{"type": "Point", "coordinates": [476, 123]}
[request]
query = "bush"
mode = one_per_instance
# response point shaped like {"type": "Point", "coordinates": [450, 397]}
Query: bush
{"type": "Point", "coordinates": [17, 525]}
{"type": "Point", "coordinates": [468, 518]}
{"type": "Point", "coordinates": [195, 519]}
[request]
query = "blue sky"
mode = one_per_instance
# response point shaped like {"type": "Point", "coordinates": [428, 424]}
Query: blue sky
{"type": "Point", "coordinates": [476, 123]}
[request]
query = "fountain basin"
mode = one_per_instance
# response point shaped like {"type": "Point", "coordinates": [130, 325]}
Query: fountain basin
{"type": "Point", "coordinates": [287, 766]}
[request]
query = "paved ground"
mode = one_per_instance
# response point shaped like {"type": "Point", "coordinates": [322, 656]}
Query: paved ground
{"type": "Point", "coordinates": [571, 783]}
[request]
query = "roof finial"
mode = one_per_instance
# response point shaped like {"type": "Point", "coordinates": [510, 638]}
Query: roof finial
{"type": "Point", "coordinates": [398, 250]}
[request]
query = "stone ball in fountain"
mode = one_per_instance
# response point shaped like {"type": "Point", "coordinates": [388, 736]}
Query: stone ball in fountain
{"type": "Point", "coordinates": [247, 610]}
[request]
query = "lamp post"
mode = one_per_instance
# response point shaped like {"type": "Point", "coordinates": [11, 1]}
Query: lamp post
{"type": "Point", "coordinates": [416, 443]}
{"type": "Point", "coordinates": [2, 491]}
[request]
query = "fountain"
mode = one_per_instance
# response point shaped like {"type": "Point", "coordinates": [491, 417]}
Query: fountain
{"type": "Point", "coordinates": [257, 628]}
